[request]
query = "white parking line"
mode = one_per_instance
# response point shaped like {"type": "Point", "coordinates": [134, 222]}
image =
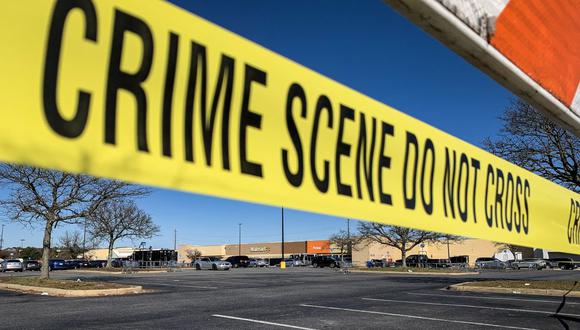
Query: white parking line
{"type": "Point", "coordinates": [282, 325]}
{"type": "Point", "coordinates": [471, 306]}
{"type": "Point", "coordinates": [491, 298]}
{"type": "Point", "coordinates": [417, 317]}
{"type": "Point", "coordinates": [179, 286]}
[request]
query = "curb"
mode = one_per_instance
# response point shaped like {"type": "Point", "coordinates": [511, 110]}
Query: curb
{"type": "Point", "coordinates": [72, 293]}
{"type": "Point", "coordinates": [413, 273]}
{"type": "Point", "coordinates": [538, 292]}
{"type": "Point", "coordinates": [113, 273]}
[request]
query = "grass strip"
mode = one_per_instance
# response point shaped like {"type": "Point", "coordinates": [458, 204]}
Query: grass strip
{"type": "Point", "coordinates": [60, 284]}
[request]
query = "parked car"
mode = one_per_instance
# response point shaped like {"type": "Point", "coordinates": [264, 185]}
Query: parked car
{"type": "Point", "coordinates": [460, 261]}
{"type": "Point", "coordinates": [414, 260]}
{"type": "Point", "coordinates": [290, 262]}
{"type": "Point", "coordinates": [83, 263]}
{"type": "Point", "coordinates": [238, 261]}
{"type": "Point", "coordinates": [31, 265]}
{"type": "Point", "coordinates": [438, 263]}
{"type": "Point", "coordinates": [325, 261]}
{"type": "Point", "coordinates": [97, 263]}
{"type": "Point", "coordinates": [77, 263]}
{"type": "Point", "coordinates": [57, 264]}
{"type": "Point", "coordinates": [14, 265]}
{"type": "Point", "coordinates": [377, 263]}
{"type": "Point", "coordinates": [490, 263]}
{"type": "Point", "coordinates": [211, 263]}
{"type": "Point", "coordinates": [257, 262]}
{"type": "Point", "coordinates": [562, 263]}
{"type": "Point", "coordinates": [532, 263]}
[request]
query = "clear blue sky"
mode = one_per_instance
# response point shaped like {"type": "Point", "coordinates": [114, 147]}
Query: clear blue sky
{"type": "Point", "coordinates": [362, 44]}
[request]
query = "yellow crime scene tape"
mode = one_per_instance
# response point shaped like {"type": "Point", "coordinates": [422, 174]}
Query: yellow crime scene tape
{"type": "Point", "coordinates": [146, 92]}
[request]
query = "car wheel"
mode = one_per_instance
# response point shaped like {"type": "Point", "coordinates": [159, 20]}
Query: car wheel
{"type": "Point", "coordinates": [516, 267]}
{"type": "Point", "coordinates": [197, 267]}
{"type": "Point", "coordinates": [214, 267]}
{"type": "Point", "coordinates": [332, 265]}
{"type": "Point", "coordinates": [315, 265]}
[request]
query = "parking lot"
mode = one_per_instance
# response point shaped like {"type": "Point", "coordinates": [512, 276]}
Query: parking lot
{"type": "Point", "coordinates": [301, 298]}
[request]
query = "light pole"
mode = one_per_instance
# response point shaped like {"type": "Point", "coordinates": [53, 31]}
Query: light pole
{"type": "Point", "coordinates": [85, 239]}
{"type": "Point", "coordinates": [21, 247]}
{"type": "Point", "coordinates": [2, 238]}
{"type": "Point", "coordinates": [348, 244]}
{"type": "Point", "coordinates": [239, 239]}
{"type": "Point", "coordinates": [283, 262]}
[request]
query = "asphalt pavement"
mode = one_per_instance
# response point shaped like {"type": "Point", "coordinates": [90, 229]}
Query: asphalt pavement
{"type": "Point", "coordinates": [301, 298]}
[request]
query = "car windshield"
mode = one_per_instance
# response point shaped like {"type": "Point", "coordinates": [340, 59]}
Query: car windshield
{"type": "Point", "coordinates": [214, 258]}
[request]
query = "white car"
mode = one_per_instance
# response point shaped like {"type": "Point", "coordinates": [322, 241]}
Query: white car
{"type": "Point", "coordinates": [258, 263]}
{"type": "Point", "coordinates": [13, 265]}
{"type": "Point", "coordinates": [212, 263]}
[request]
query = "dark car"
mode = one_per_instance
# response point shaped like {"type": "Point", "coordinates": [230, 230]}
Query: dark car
{"type": "Point", "coordinates": [72, 264]}
{"type": "Point", "coordinates": [239, 261]}
{"type": "Point", "coordinates": [460, 261]}
{"type": "Point", "coordinates": [325, 261]}
{"type": "Point", "coordinates": [31, 265]}
{"type": "Point", "coordinates": [562, 263]}
{"type": "Point", "coordinates": [57, 264]}
{"type": "Point", "coordinates": [438, 263]}
{"type": "Point", "coordinates": [97, 263]}
{"type": "Point", "coordinates": [415, 260]}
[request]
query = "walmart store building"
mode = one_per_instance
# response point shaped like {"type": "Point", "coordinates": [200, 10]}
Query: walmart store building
{"type": "Point", "coordinates": [257, 250]}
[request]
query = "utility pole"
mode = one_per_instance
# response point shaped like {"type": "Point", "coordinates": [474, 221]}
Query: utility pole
{"type": "Point", "coordinates": [21, 247]}
{"type": "Point", "coordinates": [282, 234]}
{"type": "Point", "coordinates": [348, 245]}
{"type": "Point", "coordinates": [239, 239]}
{"type": "Point", "coordinates": [175, 239]}
{"type": "Point", "coordinates": [2, 238]}
{"type": "Point", "coordinates": [85, 239]}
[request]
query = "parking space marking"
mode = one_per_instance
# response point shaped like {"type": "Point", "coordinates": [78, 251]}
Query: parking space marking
{"type": "Point", "coordinates": [417, 317]}
{"type": "Point", "coordinates": [282, 325]}
{"type": "Point", "coordinates": [471, 306]}
{"type": "Point", "coordinates": [180, 286]}
{"type": "Point", "coordinates": [492, 298]}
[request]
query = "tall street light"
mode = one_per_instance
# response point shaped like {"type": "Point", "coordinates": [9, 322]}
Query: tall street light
{"type": "Point", "coordinates": [282, 262]}
{"type": "Point", "coordinates": [2, 237]}
{"type": "Point", "coordinates": [239, 239]}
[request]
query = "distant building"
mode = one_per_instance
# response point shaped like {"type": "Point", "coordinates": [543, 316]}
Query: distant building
{"type": "Point", "coordinates": [257, 250]}
{"type": "Point", "coordinates": [473, 248]}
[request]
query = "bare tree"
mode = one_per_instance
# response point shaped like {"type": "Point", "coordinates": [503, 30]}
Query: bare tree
{"type": "Point", "coordinates": [193, 254]}
{"type": "Point", "coordinates": [343, 241]}
{"type": "Point", "coordinates": [71, 243]}
{"type": "Point", "coordinates": [117, 220]}
{"type": "Point", "coordinates": [532, 141]}
{"type": "Point", "coordinates": [448, 239]}
{"type": "Point", "coordinates": [401, 238]}
{"type": "Point", "coordinates": [50, 198]}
